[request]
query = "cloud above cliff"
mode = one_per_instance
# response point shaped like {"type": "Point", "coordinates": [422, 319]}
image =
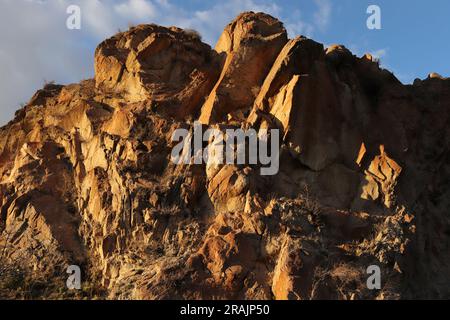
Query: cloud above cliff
{"type": "Point", "coordinates": [36, 46]}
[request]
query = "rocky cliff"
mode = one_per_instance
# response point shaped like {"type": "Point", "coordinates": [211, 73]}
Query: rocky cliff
{"type": "Point", "coordinates": [86, 177]}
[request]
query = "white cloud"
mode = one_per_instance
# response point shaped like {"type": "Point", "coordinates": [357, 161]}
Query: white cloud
{"type": "Point", "coordinates": [296, 25]}
{"type": "Point", "coordinates": [323, 15]}
{"type": "Point", "coordinates": [380, 53]}
{"type": "Point", "coordinates": [35, 48]}
{"type": "Point", "coordinates": [299, 28]}
{"type": "Point", "coordinates": [104, 20]}
{"type": "Point", "coordinates": [209, 22]}
{"type": "Point", "coordinates": [140, 9]}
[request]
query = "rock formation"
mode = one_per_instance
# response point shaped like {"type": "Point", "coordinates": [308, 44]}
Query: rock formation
{"type": "Point", "coordinates": [86, 177]}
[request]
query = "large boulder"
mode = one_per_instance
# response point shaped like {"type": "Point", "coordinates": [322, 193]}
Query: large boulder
{"type": "Point", "coordinates": [169, 66]}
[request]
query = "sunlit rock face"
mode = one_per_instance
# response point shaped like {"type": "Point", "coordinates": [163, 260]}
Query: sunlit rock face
{"type": "Point", "coordinates": [249, 46]}
{"type": "Point", "coordinates": [87, 177]}
{"type": "Point", "coordinates": [169, 66]}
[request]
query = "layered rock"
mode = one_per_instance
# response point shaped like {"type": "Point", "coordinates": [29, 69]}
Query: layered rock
{"type": "Point", "coordinates": [86, 176]}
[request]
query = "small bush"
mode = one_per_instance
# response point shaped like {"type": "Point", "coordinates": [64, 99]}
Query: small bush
{"type": "Point", "coordinates": [193, 34]}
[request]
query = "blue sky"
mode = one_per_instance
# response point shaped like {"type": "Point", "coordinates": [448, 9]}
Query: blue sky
{"type": "Point", "coordinates": [36, 46]}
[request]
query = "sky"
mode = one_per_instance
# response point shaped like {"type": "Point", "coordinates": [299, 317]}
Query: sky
{"type": "Point", "coordinates": [37, 47]}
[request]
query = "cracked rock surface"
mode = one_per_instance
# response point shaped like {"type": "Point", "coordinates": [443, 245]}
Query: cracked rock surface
{"type": "Point", "coordinates": [86, 177]}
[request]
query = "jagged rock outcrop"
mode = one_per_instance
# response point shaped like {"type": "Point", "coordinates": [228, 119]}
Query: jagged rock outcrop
{"type": "Point", "coordinates": [170, 67]}
{"type": "Point", "coordinates": [86, 176]}
{"type": "Point", "coordinates": [249, 46]}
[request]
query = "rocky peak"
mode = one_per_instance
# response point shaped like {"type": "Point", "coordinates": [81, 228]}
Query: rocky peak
{"type": "Point", "coordinates": [249, 45]}
{"type": "Point", "coordinates": [248, 27]}
{"type": "Point", "coordinates": [169, 66]}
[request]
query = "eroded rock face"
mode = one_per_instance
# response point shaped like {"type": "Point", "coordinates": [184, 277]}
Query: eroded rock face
{"type": "Point", "coordinates": [170, 67]}
{"type": "Point", "coordinates": [86, 176]}
{"type": "Point", "coordinates": [249, 46]}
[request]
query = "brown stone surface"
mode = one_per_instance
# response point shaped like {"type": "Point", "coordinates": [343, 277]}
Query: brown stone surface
{"type": "Point", "coordinates": [249, 46]}
{"type": "Point", "coordinates": [86, 176]}
{"type": "Point", "coordinates": [170, 67]}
